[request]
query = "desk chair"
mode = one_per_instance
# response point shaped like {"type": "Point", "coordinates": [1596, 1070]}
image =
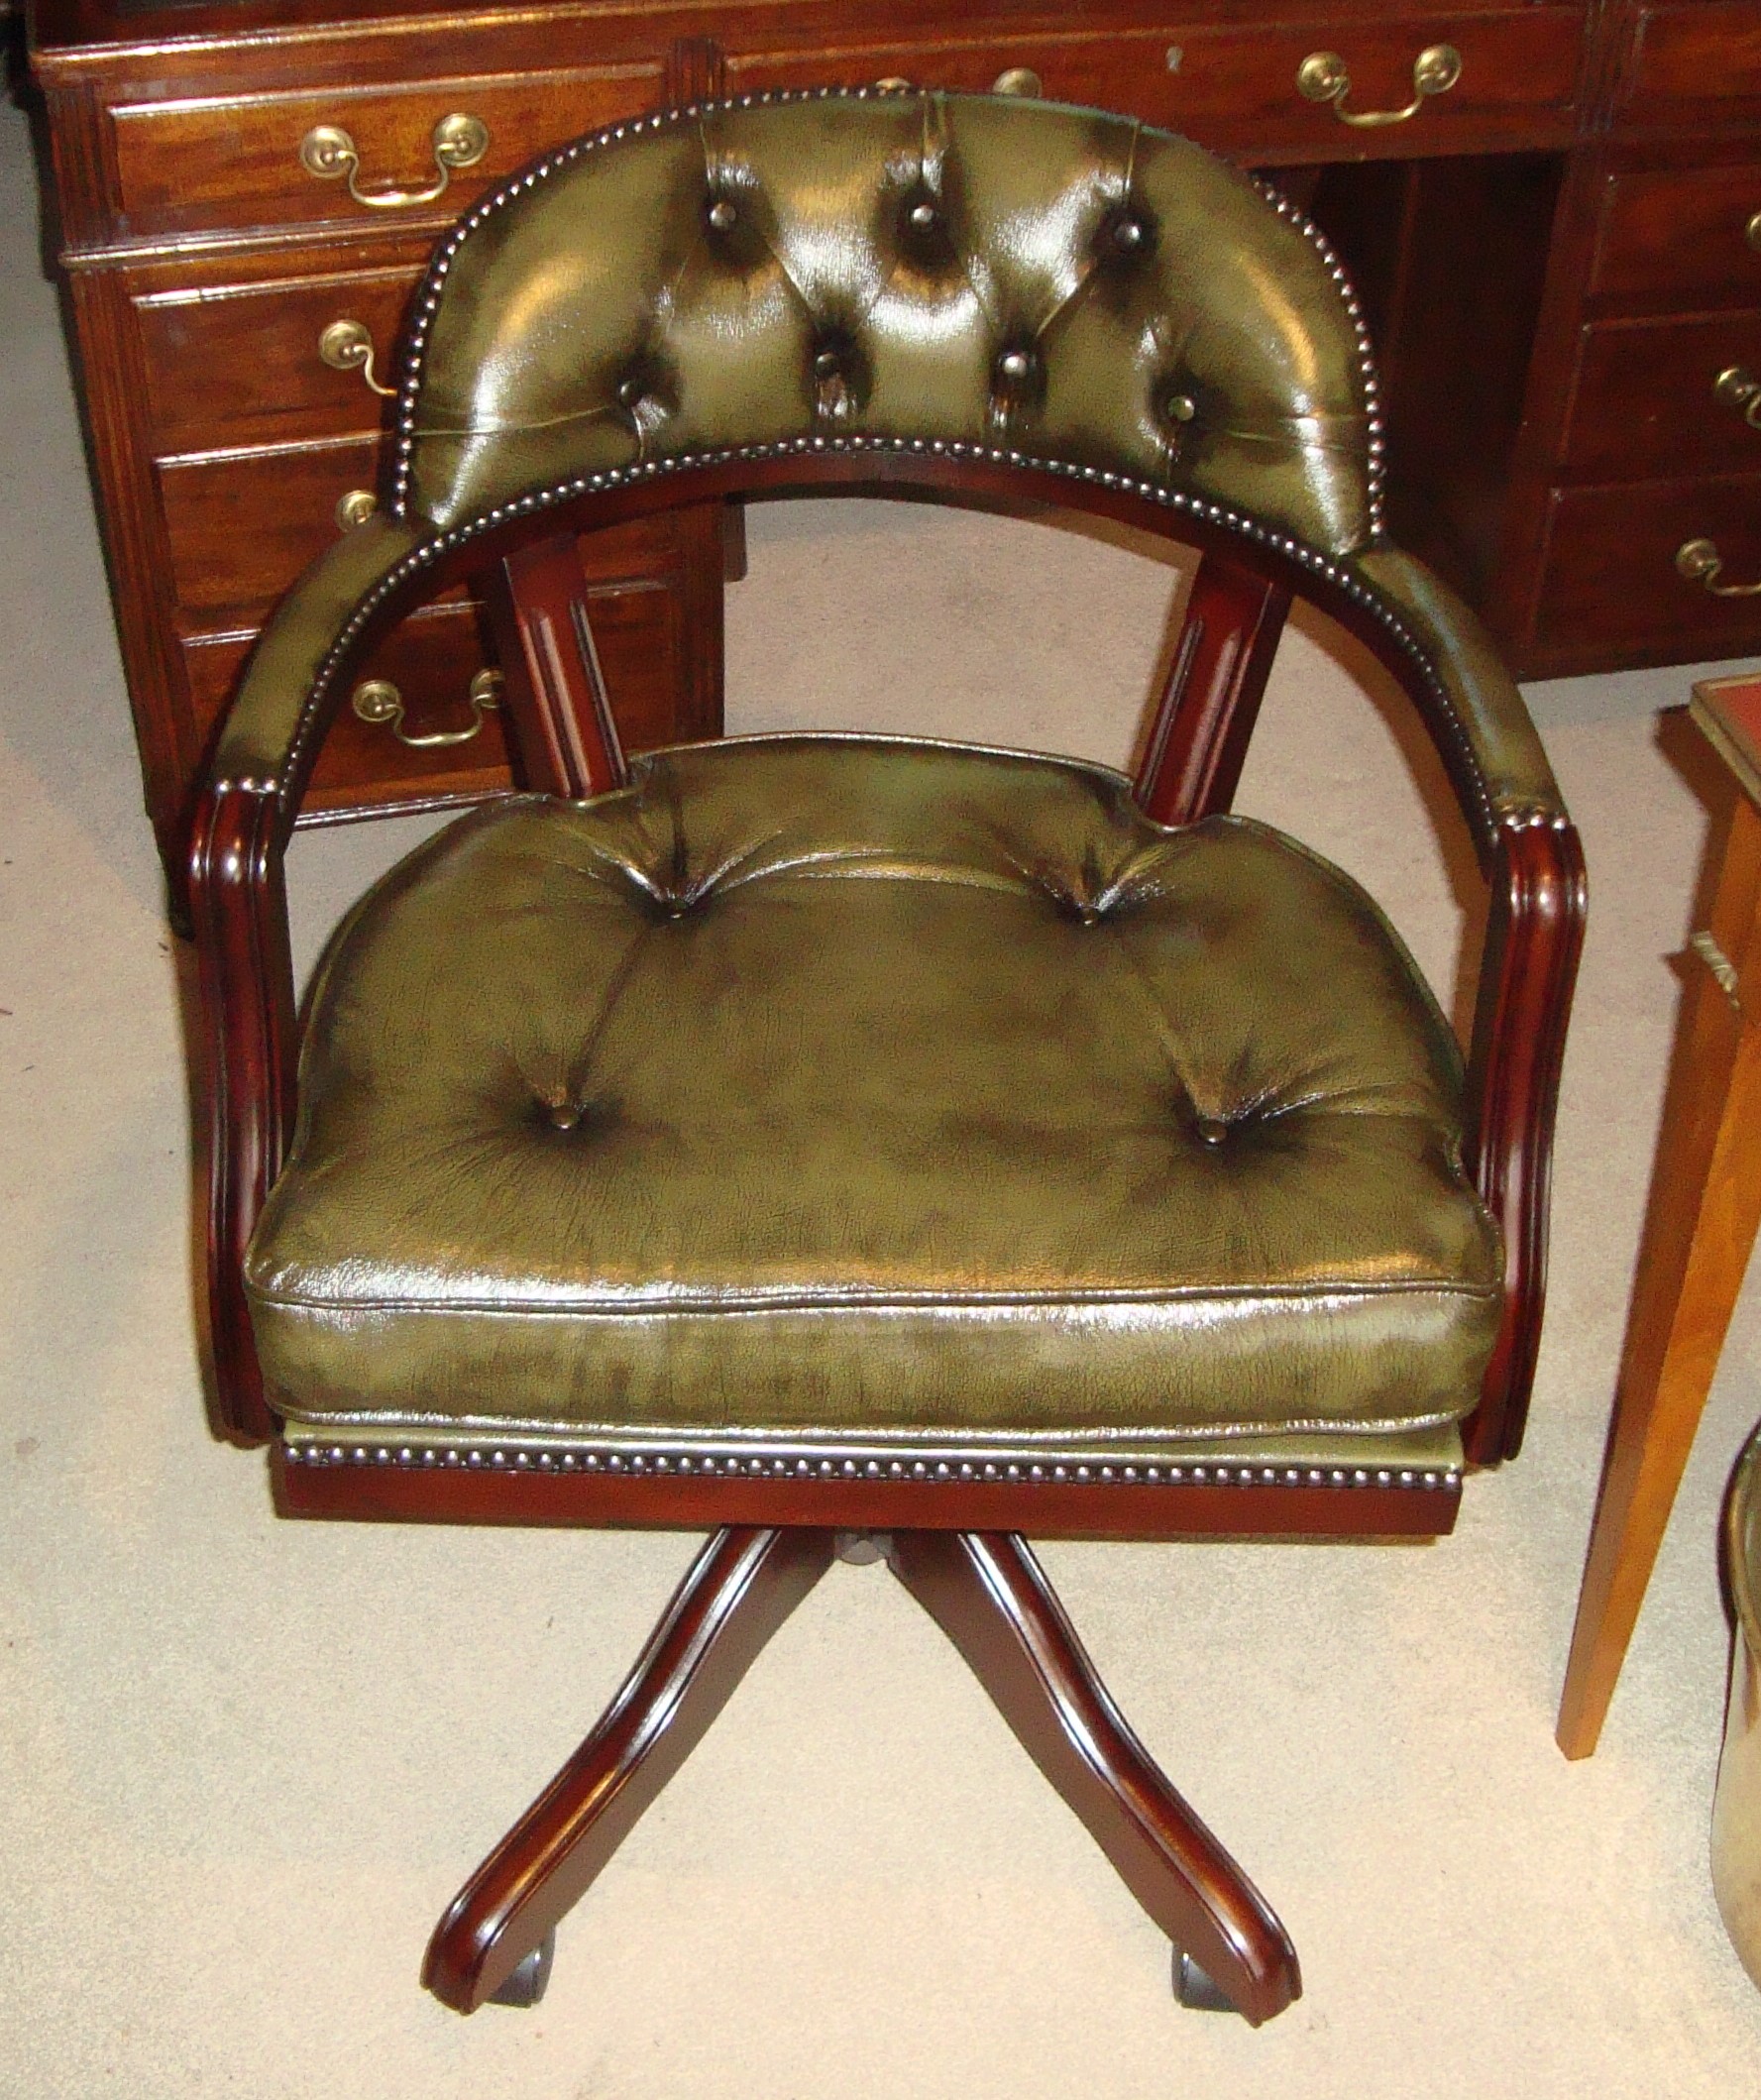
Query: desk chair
{"type": "Point", "coordinates": [867, 1144]}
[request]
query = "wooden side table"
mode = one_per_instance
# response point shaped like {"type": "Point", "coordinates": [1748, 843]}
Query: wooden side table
{"type": "Point", "coordinates": [1706, 1205]}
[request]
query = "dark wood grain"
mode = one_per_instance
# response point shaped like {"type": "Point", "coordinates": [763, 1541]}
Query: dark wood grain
{"type": "Point", "coordinates": [1677, 235]}
{"type": "Point", "coordinates": [1608, 575]}
{"type": "Point", "coordinates": [228, 162]}
{"type": "Point", "coordinates": [1534, 937]}
{"type": "Point", "coordinates": [1234, 85]}
{"type": "Point", "coordinates": [515, 1485]}
{"type": "Point", "coordinates": [743, 1586]}
{"type": "Point", "coordinates": [250, 1044]}
{"type": "Point", "coordinates": [1205, 714]}
{"type": "Point", "coordinates": [1646, 402]}
{"type": "Point", "coordinates": [558, 700]}
{"type": "Point", "coordinates": [986, 1593]}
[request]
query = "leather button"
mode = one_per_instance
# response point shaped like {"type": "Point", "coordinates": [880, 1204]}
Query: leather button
{"type": "Point", "coordinates": [1015, 366]}
{"type": "Point", "coordinates": [631, 392]}
{"type": "Point", "coordinates": [1212, 1130]}
{"type": "Point", "coordinates": [723, 214]}
{"type": "Point", "coordinates": [922, 216]}
{"type": "Point", "coordinates": [1128, 234]}
{"type": "Point", "coordinates": [1179, 408]}
{"type": "Point", "coordinates": [827, 365]}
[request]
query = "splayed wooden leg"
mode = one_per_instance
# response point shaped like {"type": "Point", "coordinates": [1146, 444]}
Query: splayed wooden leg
{"type": "Point", "coordinates": [739, 1591]}
{"type": "Point", "coordinates": [986, 1591]}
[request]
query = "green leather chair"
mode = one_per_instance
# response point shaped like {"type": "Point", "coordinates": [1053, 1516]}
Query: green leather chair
{"type": "Point", "coordinates": [849, 1143]}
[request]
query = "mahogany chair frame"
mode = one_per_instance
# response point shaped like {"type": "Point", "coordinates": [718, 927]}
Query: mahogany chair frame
{"type": "Point", "coordinates": [950, 1525]}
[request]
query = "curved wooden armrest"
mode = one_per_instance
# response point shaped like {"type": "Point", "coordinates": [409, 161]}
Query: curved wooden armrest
{"type": "Point", "coordinates": [1534, 935]}
{"type": "Point", "coordinates": [1534, 865]}
{"type": "Point", "coordinates": [238, 906]}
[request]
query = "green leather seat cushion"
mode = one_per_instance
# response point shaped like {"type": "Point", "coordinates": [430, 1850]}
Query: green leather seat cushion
{"type": "Point", "coordinates": [826, 1087]}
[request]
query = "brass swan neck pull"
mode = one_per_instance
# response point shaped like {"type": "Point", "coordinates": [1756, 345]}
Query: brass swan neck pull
{"type": "Point", "coordinates": [347, 346]}
{"type": "Point", "coordinates": [1738, 387]}
{"type": "Point", "coordinates": [1699, 561]}
{"type": "Point", "coordinates": [378, 700]}
{"type": "Point", "coordinates": [1322, 77]}
{"type": "Point", "coordinates": [328, 152]}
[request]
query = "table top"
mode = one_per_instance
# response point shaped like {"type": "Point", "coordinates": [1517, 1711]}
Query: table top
{"type": "Point", "coordinates": [1728, 712]}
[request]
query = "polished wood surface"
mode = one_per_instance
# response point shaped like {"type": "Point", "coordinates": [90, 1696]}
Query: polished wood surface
{"type": "Point", "coordinates": [987, 1592]}
{"type": "Point", "coordinates": [1705, 1209]}
{"type": "Point", "coordinates": [1593, 165]}
{"type": "Point", "coordinates": [741, 1587]}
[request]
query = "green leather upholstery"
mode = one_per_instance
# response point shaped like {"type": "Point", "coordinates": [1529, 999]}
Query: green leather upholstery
{"type": "Point", "coordinates": [907, 265]}
{"type": "Point", "coordinates": [1058, 285]}
{"type": "Point", "coordinates": [1483, 701]}
{"type": "Point", "coordinates": [831, 1088]}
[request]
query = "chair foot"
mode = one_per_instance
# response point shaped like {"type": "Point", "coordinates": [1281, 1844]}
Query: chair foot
{"type": "Point", "coordinates": [1195, 1989]}
{"type": "Point", "coordinates": [526, 1985]}
{"type": "Point", "coordinates": [741, 1587]}
{"type": "Point", "coordinates": [986, 1591]}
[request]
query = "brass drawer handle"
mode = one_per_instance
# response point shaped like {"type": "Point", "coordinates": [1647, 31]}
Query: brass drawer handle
{"type": "Point", "coordinates": [1322, 77]}
{"type": "Point", "coordinates": [894, 85]}
{"type": "Point", "coordinates": [1737, 387]}
{"type": "Point", "coordinates": [1700, 561]}
{"type": "Point", "coordinates": [328, 153]}
{"type": "Point", "coordinates": [1019, 80]}
{"type": "Point", "coordinates": [354, 508]}
{"type": "Point", "coordinates": [1752, 231]}
{"type": "Point", "coordinates": [347, 346]}
{"type": "Point", "coordinates": [378, 700]}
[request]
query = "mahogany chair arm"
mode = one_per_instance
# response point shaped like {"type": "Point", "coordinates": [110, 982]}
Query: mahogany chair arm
{"type": "Point", "coordinates": [1534, 865]}
{"type": "Point", "coordinates": [1534, 936]}
{"type": "Point", "coordinates": [238, 905]}
{"type": "Point", "coordinates": [1481, 725]}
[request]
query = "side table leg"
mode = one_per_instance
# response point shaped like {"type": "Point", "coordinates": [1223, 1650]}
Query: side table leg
{"type": "Point", "coordinates": [1705, 1204]}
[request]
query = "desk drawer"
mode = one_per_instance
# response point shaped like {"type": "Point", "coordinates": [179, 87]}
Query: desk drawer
{"type": "Point", "coordinates": [1685, 236]}
{"type": "Point", "coordinates": [1705, 54]}
{"type": "Point", "coordinates": [1237, 86]}
{"type": "Point", "coordinates": [236, 364]}
{"type": "Point", "coordinates": [1610, 581]}
{"type": "Point", "coordinates": [243, 526]}
{"type": "Point", "coordinates": [1667, 398]}
{"type": "Point", "coordinates": [214, 163]}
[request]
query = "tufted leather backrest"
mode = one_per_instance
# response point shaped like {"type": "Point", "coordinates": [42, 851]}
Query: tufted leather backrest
{"type": "Point", "coordinates": [1051, 281]}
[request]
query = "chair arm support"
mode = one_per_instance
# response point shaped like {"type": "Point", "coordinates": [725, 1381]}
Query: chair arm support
{"type": "Point", "coordinates": [238, 904]}
{"type": "Point", "coordinates": [251, 1043]}
{"type": "Point", "coordinates": [1495, 735]}
{"type": "Point", "coordinates": [1534, 935]}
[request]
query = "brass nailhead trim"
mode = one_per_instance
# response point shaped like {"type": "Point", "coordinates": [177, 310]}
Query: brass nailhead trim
{"type": "Point", "coordinates": [503, 1458]}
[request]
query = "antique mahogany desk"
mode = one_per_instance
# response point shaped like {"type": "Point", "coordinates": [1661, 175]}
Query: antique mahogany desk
{"type": "Point", "coordinates": [1553, 211]}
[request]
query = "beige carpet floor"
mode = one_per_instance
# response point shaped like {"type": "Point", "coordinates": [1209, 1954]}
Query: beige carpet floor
{"type": "Point", "coordinates": [243, 1763]}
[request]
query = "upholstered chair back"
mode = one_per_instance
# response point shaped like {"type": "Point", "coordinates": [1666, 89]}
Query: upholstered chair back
{"type": "Point", "coordinates": [890, 269]}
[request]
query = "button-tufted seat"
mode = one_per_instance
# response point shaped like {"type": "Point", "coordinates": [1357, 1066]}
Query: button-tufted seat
{"type": "Point", "coordinates": [879, 1092]}
{"type": "Point", "coordinates": [873, 1141]}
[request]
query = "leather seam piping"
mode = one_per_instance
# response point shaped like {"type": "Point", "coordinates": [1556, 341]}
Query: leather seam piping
{"type": "Point", "coordinates": [1297, 1297]}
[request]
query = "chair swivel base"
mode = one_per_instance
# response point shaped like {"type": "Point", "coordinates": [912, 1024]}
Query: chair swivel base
{"type": "Point", "coordinates": [988, 1595]}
